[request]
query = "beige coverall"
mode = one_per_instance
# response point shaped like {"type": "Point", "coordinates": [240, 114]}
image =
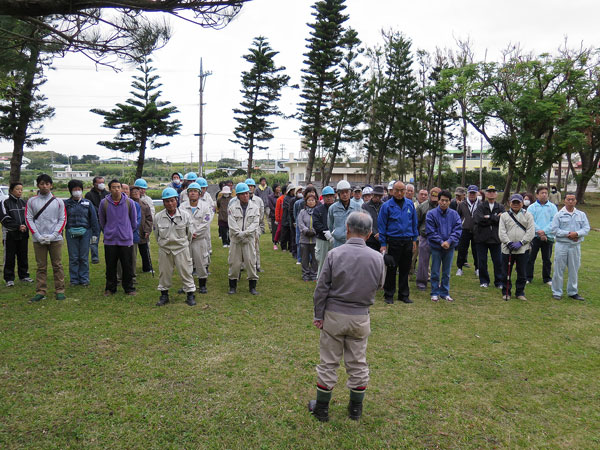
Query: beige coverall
{"type": "Point", "coordinates": [200, 225]}
{"type": "Point", "coordinates": [174, 235]}
{"type": "Point", "coordinates": [243, 226]}
{"type": "Point", "coordinates": [261, 207]}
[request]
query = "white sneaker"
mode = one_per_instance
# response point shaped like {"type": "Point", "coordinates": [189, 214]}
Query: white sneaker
{"type": "Point", "coordinates": [225, 246]}
{"type": "Point", "coordinates": [459, 273]}
{"type": "Point", "coordinates": [298, 263]}
{"type": "Point", "coordinates": [10, 283]}
{"type": "Point", "coordinates": [27, 280]}
{"type": "Point", "coordinates": [484, 285]}
{"type": "Point", "coordinates": [434, 298]}
{"type": "Point", "coordinates": [476, 272]}
{"type": "Point", "coordinates": [549, 283]}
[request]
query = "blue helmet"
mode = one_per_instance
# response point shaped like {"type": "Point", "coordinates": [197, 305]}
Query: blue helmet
{"type": "Point", "coordinates": [250, 182]}
{"type": "Point", "coordinates": [141, 183]}
{"type": "Point", "coordinates": [202, 182]}
{"type": "Point", "coordinates": [328, 190]}
{"type": "Point", "coordinates": [194, 186]}
{"type": "Point", "coordinates": [190, 176]}
{"type": "Point", "coordinates": [240, 188]}
{"type": "Point", "coordinates": [168, 193]}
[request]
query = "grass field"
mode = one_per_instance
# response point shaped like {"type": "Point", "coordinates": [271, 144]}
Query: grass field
{"type": "Point", "coordinates": [237, 371]}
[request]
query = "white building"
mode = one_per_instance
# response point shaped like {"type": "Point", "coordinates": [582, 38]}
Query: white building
{"type": "Point", "coordinates": [69, 174]}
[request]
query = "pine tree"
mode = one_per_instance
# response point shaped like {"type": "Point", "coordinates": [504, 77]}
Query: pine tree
{"type": "Point", "coordinates": [22, 107]}
{"type": "Point", "coordinates": [142, 119]}
{"type": "Point", "coordinates": [321, 73]}
{"type": "Point", "coordinates": [261, 89]}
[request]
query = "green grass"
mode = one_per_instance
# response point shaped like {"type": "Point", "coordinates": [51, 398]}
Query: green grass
{"type": "Point", "coordinates": [237, 371]}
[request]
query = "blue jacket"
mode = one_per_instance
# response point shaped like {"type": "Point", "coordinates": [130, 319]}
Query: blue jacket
{"type": "Point", "coordinates": [82, 213]}
{"type": "Point", "coordinates": [565, 222]}
{"type": "Point", "coordinates": [542, 216]}
{"type": "Point", "coordinates": [336, 221]}
{"type": "Point", "coordinates": [136, 232]}
{"type": "Point", "coordinates": [394, 222]}
{"type": "Point", "coordinates": [442, 226]}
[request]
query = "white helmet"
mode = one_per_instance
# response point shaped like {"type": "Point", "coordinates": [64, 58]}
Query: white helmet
{"type": "Point", "coordinates": [368, 190]}
{"type": "Point", "coordinates": [343, 185]}
{"type": "Point", "coordinates": [391, 185]}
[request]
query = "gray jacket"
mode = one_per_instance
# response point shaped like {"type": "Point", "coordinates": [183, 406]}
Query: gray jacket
{"type": "Point", "coordinates": [345, 286]}
{"type": "Point", "coordinates": [305, 223]}
{"type": "Point", "coordinates": [50, 223]}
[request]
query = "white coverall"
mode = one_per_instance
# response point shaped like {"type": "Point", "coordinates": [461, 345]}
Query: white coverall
{"type": "Point", "coordinates": [200, 224]}
{"type": "Point", "coordinates": [243, 226]}
{"type": "Point", "coordinates": [174, 235]}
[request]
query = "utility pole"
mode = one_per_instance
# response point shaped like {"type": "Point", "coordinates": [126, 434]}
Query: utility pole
{"type": "Point", "coordinates": [202, 77]}
{"type": "Point", "coordinates": [282, 147]}
{"type": "Point", "coordinates": [481, 162]}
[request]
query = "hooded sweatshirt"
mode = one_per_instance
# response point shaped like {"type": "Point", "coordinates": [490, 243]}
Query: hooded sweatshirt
{"type": "Point", "coordinates": [118, 220]}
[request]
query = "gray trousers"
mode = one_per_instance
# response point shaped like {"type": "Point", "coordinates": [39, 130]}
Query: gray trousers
{"type": "Point", "coordinates": [309, 261]}
{"type": "Point", "coordinates": [566, 256]}
{"type": "Point", "coordinates": [321, 249]}
{"type": "Point", "coordinates": [344, 335]}
{"type": "Point", "coordinates": [423, 269]}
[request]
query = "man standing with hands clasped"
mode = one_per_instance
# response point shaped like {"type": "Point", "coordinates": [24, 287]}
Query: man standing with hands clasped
{"type": "Point", "coordinates": [569, 226]}
{"type": "Point", "coordinates": [342, 298]}
{"type": "Point", "coordinates": [397, 224]}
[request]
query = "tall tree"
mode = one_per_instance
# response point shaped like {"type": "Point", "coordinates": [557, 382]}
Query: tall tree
{"type": "Point", "coordinates": [261, 89]}
{"type": "Point", "coordinates": [321, 73]}
{"type": "Point", "coordinates": [22, 107]}
{"type": "Point", "coordinates": [347, 104]}
{"type": "Point", "coordinates": [141, 119]}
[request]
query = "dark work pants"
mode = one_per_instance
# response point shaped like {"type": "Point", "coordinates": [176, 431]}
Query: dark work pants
{"type": "Point", "coordinates": [466, 239]}
{"type": "Point", "coordinates": [546, 247]}
{"type": "Point", "coordinates": [144, 250]}
{"type": "Point", "coordinates": [224, 233]}
{"type": "Point", "coordinates": [293, 247]}
{"type": "Point", "coordinates": [273, 230]}
{"type": "Point", "coordinates": [401, 251]}
{"type": "Point", "coordinates": [112, 255]}
{"type": "Point", "coordinates": [508, 261]}
{"type": "Point", "coordinates": [15, 249]}
{"type": "Point", "coordinates": [285, 238]}
{"type": "Point", "coordinates": [482, 260]}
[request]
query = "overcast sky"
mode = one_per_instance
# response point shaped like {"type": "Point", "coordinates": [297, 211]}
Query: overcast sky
{"type": "Point", "coordinates": [76, 85]}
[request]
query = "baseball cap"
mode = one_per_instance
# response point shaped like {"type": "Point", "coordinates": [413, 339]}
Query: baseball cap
{"type": "Point", "coordinates": [516, 197]}
{"type": "Point", "coordinates": [491, 187]}
{"type": "Point", "coordinates": [472, 188]}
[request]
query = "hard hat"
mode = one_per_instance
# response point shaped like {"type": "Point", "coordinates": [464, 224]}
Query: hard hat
{"type": "Point", "coordinates": [240, 188]}
{"type": "Point", "coordinates": [141, 183]}
{"type": "Point", "coordinates": [225, 190]}
{"type": "Point", "coordinates": [202, 182]}
{"type": "Point", "coordinates": [168, 193]}
{"type": "Point", "coordinates": [328, 190]}
{"type": "Point", "coordinates": [343, 185]}
{"type": "Point", "coordinates": [250, 182]}
{"type": "Point", "coordinates": [367, 190]}
{"type": "Point", "coordinates": [194, 186]}
{"type": "Point", "coordinates": [391, 185]}
{"type": "Point", "coordinates": [190, 176]}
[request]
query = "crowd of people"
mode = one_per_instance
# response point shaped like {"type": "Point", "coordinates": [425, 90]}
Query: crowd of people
{"type": "Point", "coordinates": [417, 232]}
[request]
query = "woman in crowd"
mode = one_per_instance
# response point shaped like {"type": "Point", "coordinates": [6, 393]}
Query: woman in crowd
{"type": "Point", "coordinates": [16, 235]}
{"type": "Point", "coordinates": [272, 204]}
{"type": "Point", "coordinates": [222, 220]}
{"type": "Point", "coordinates": [286, 228]}
{"type": "Point", "coordinates": [81, 228]}
{"type": "Point", "coordinates": [308, 238]}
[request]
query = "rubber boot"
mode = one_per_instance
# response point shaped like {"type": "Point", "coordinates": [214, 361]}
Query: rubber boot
{"type": "Point", "coordinates": [232, 286]}
{"type": "Point", "coordinates": [320, 407]}
{"type": "Point", "coordinates": [202, 286]}
{"type": "Point", "coordinates": [252, 285]}
{"type": "Point", "coordinates": [356, 403]}
{"type": "Point", "coordinates": [164, 298]}
{"type": "Point", "coordinates": [190, 300]}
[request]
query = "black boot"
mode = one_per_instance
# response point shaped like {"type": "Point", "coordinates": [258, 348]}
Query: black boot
{"type": "Point", "coordinates": [202, 286]}
{"type": "Point", "coordinates": [180, 291]}
{"type": "Point", "coordinates": [320, 407]}
{"type": "Point", "coordinates": [190, 300]}
{"type": "Point", "coordinates": [164, 298]}
{"type": "Point", "coordinates": [232, 286]}
{"type": "Point", "coordinates": [356, 403]}
{"type": "Point", "coordinates": [252, 284]}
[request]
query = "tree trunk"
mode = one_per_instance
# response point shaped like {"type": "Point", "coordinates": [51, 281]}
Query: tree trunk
{"type": "Point", "coordinates": [509, 177]}
{"type": "Point", "coordinates": [558, 182]}
{"type": "Point", "coordinates": [414, 165]}
{"type": "Point", "coordinates": [369, 166]}
{"type": "Point", "coordinates": [141, 157]}
{"type": "Point", "coordinates": [24, 114]}
{"type": "Point", "coordinates": [312, 151]}
{"type": "Point", "coordinates": [519, 183]}
{"type": "Point", "coordinates": [464, 161]}
{"type": "Point", "coordinates": [250, 156]}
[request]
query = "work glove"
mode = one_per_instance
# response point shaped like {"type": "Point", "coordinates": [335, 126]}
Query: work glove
{"type": "Point", "coordinates": [328, 235]}
{"type": "Point", "coordinates": [514, 246]}
{"type": "Point", "coordinates": [94, 239]}
{"type": "Point", "coordinates": [310, 233]}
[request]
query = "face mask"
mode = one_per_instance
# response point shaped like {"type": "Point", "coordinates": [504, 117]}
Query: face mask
{"type": "Point", "coordinates": [76, 194]}
{"type": "Point", "coordinates": [176, 181]}
{"type": "Point", "coordinates": [226, 195]}
{"type": "Point", "coordinates": [299, 195]}
{"type": "Point", "coordinates": [526, 202]}
{"type": "Point", "coordinates": [101, 186]}
{"type": "Point", "coordinates": [554, 191]}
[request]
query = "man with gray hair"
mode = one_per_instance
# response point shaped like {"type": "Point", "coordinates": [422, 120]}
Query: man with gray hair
{"type": "Point", "coordinates": [342, 298]}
